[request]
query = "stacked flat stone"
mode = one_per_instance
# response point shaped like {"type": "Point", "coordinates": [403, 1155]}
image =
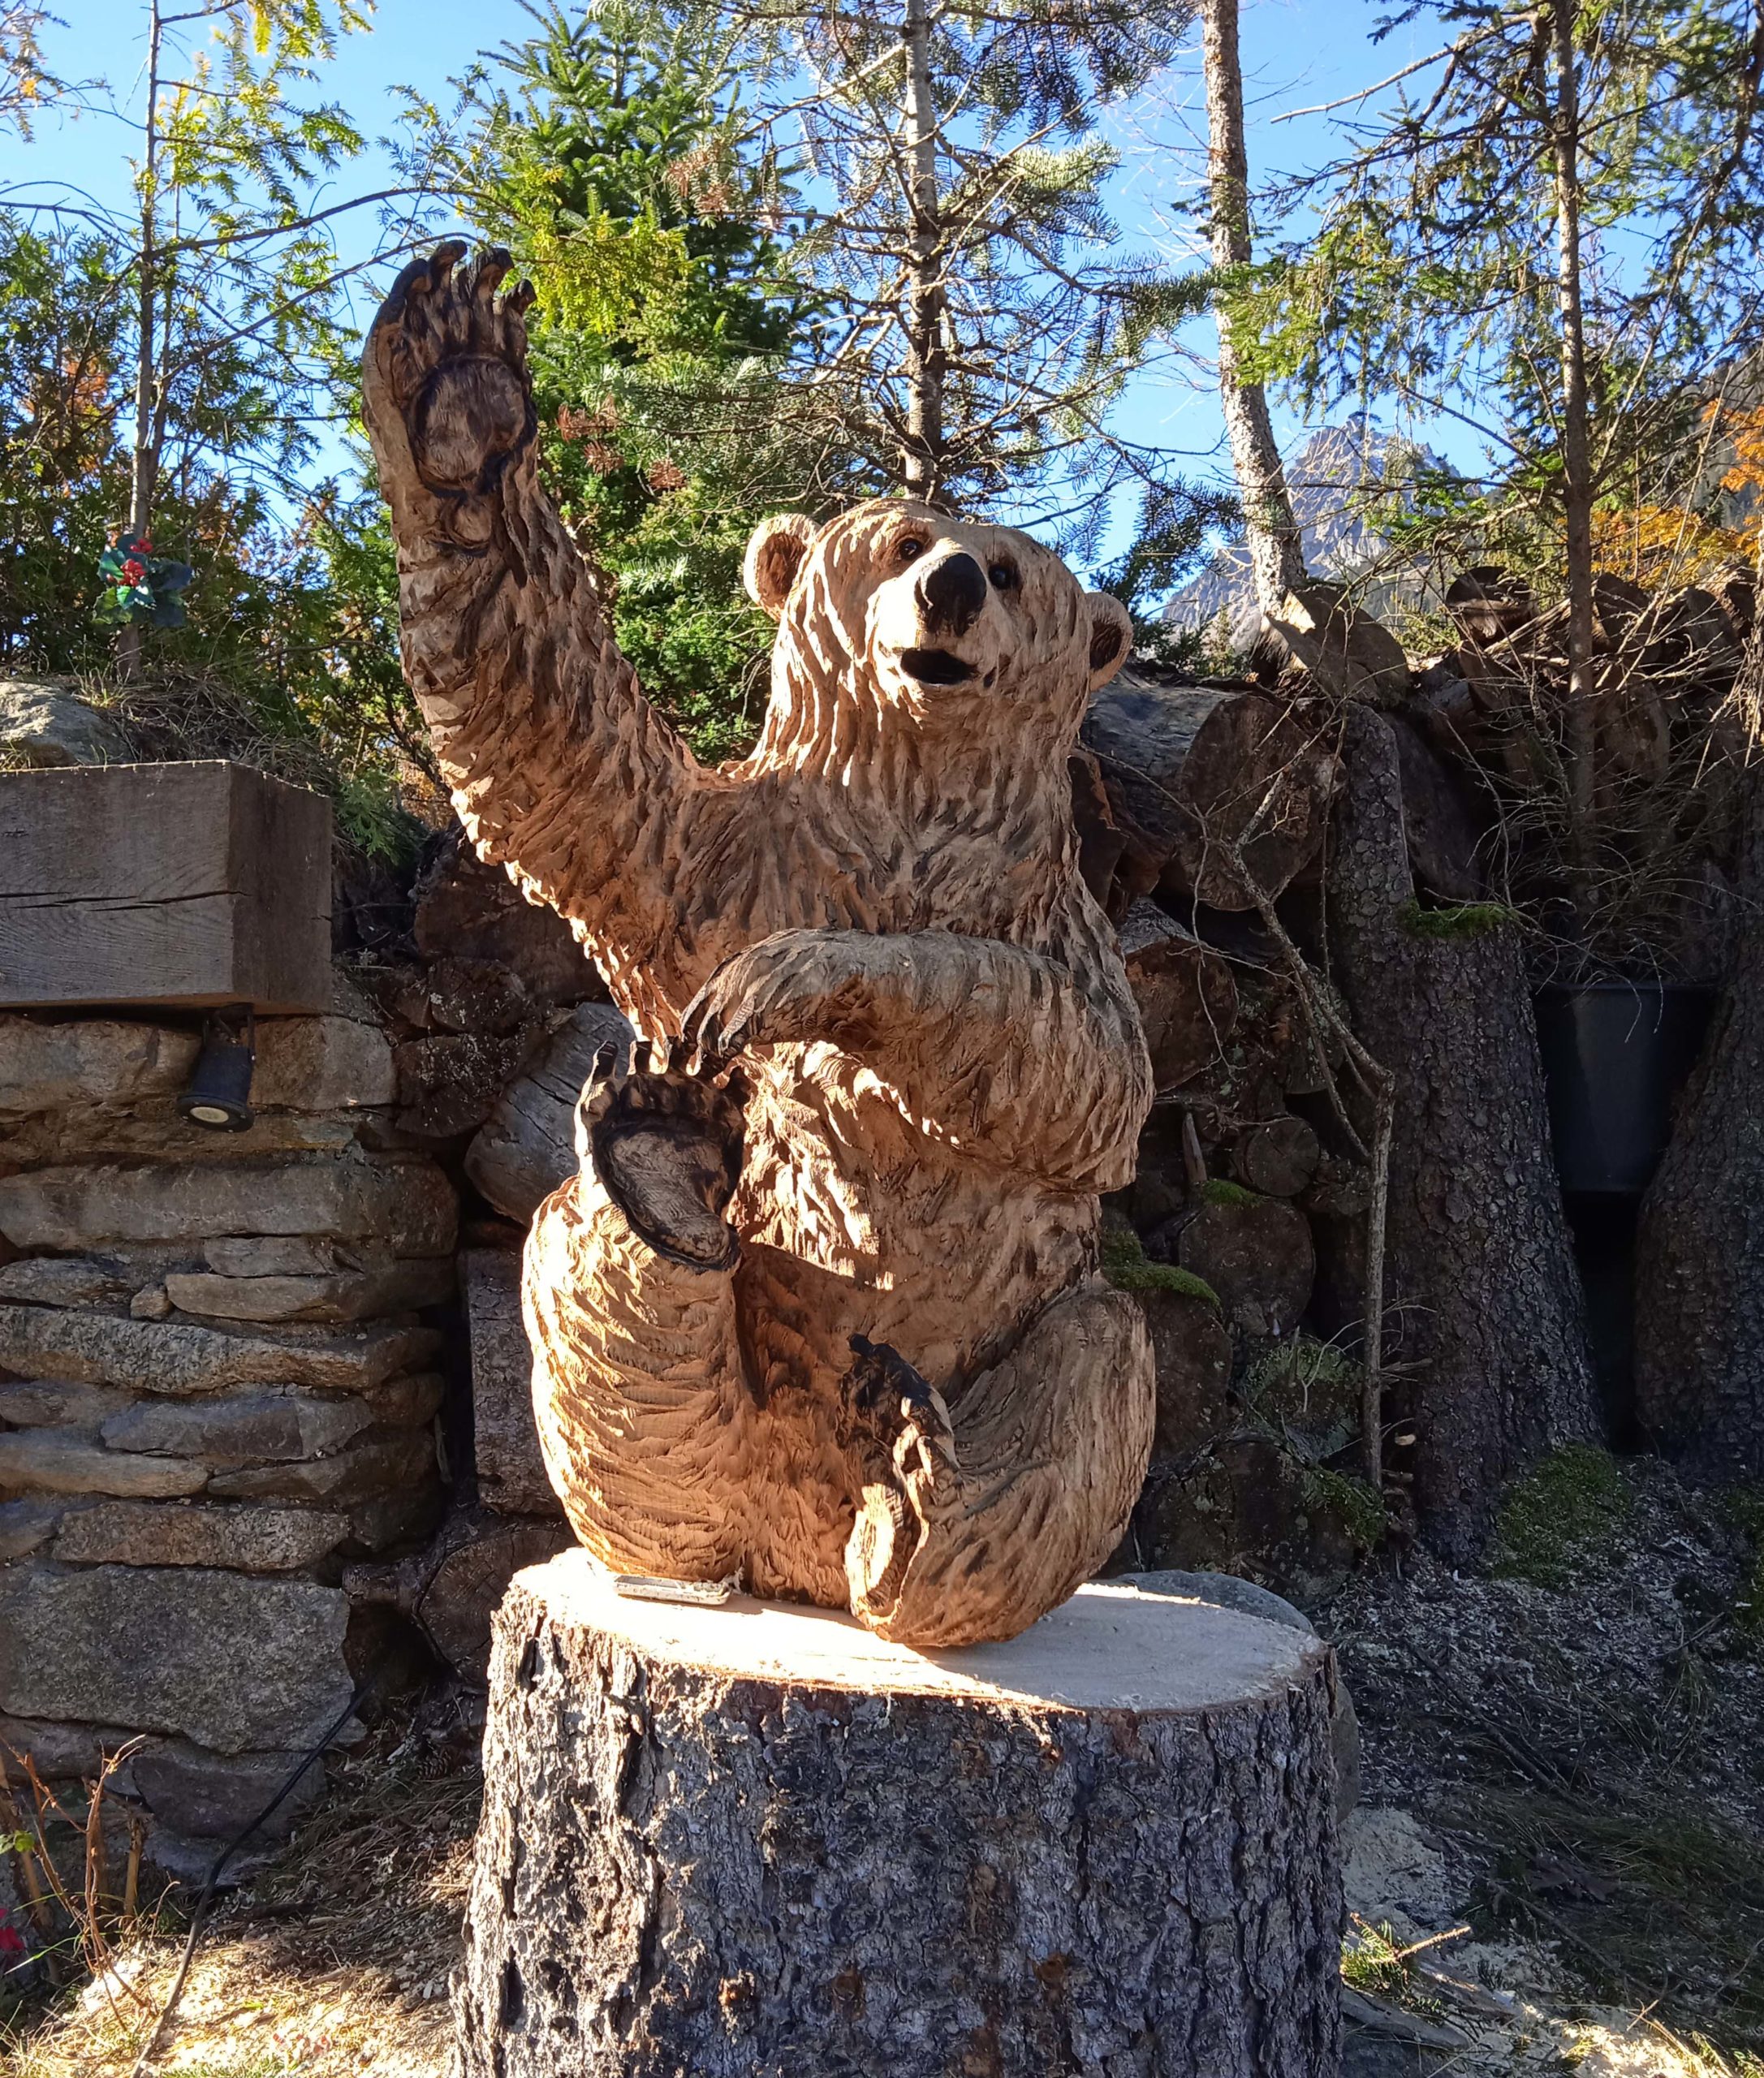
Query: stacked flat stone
{"type": "Point", "coordinates": [216, 1390]}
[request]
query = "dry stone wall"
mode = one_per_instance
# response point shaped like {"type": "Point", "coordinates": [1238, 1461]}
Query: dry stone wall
{"type": "Point", "coordinates": [220, 1378]}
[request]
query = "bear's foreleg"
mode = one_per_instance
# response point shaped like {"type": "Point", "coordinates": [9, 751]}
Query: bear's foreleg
{"type": "Point", "coordinates": [993, 1513]}
{"type": "Point", "coordinates": [1005, 1053]}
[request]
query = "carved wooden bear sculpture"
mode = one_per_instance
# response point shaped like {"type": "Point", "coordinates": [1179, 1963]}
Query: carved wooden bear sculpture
{"type": "Point", "coordinates": [823, 1307]}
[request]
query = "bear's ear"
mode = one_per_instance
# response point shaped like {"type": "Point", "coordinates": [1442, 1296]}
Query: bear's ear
{"type": "Point", "coordinates": [1112, 636]}
{"type": "Point", "coordinates": [774, 555]}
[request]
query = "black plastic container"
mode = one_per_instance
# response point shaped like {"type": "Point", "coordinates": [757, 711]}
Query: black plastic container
{"type": "Point", "coordinates": [1615, 1055]}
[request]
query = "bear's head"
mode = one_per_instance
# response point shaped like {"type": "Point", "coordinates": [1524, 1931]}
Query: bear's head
{"type": "Point", "coordinates": [965, 633]}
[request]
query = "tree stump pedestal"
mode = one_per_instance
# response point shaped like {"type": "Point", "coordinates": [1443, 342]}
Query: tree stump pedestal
{"type": "Point", "coordinates": [756, 1842]}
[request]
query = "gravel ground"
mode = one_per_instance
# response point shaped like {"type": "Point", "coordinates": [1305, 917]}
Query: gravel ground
{"type": "Point", "coordinates": [1578, 1767]}
{"type": "Point", "coordinates": [1563, 1778]}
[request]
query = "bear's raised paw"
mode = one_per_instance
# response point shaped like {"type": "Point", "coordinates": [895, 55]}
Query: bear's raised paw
{"type": "Point", "coordinates": [448, 354]}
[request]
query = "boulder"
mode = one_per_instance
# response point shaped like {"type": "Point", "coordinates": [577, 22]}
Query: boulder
{"type": "Point", "coordinates": [278, 1255]}
{"type": "Point", "coordinates": [64, 1752]}
{"type": "Point", "coordinates": [321, 1064]}
{"type": "Point", "coordinates": [408, 1401]}
{"type": "Point", "coordinates": [43, 722]}
{"type": "Point", "coordinates": [381, 1465]}
{"type": "Point", "coordinates": [190, 1864]}
{"type": "Point", "coordinates": [64, 1461]}
{"type": "Point", "coordinates": [396, 1519]}
{"type": "Point", "coordinates": [342, 1295]}
{"type": "Point", "coordinates": [244, 1539]}
{"type": "Point", "coordinates": [235, 1662]}
{"type": "Point", "coordinates": [408, 1206]}
{"type": "Point", "coordinates": [153, 1131]}
{"type": "Point", "coordinates": [46, 1067]}
{"type": "Point", "coordinates": [66, 1281]}
{"type": "Point", "coordinates": [181, 1356]}
{"type": "Point", "coordinates": [235, 1428]}
{"type": "Point", "coordinates": [511, 1470]}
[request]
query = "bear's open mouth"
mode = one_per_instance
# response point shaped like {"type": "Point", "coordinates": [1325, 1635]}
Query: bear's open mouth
{"type": "Point", "coordinates": [934, 666]}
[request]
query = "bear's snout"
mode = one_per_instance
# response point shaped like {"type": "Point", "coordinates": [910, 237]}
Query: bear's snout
{"type": "Point", "coordinates": [952, 594]}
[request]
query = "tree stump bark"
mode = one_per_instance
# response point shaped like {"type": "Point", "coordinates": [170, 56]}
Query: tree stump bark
{"type": "Point", "coordinates": [758, 1842]}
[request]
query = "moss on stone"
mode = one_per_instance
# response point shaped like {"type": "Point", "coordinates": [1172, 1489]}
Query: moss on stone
{"type": "Point", "coordinates": [1220, 1190]}
{"type": "Point", "coordinates": [1561, 1515]}
{"type": "Point", "coordinates": [1461, 919]}
{"type": "Point", "coordinates": [1125, 1267]}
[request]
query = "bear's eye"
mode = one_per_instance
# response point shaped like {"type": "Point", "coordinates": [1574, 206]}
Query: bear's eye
{"type": "Point", "coordinates": [906, 551]}
{"type": "Point", "coordinates": [1003, 575]}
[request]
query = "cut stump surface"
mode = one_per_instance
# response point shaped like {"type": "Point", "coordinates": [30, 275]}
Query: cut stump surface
{"type": "Point", "coordinates": [759, 1841]}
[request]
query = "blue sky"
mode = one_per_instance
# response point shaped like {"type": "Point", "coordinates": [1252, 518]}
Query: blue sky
{"type": "Point", "coordinates": [1296, 53]}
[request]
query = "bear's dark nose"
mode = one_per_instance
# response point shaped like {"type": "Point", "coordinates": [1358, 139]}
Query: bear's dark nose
{"type": "Point", "coordinates": [952, 593]}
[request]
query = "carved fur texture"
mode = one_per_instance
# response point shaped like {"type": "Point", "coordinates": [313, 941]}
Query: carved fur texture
{"type": "Point", "coordinates": [823, 1307]}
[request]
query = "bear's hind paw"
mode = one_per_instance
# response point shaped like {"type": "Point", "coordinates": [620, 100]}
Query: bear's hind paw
{"type": "Point", "coordinates": [890, 1403]}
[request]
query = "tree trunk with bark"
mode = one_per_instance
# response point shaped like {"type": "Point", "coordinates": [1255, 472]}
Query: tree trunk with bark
{"type": "Point", "coordinates": [1276, 554]}
{"type": "Point", "coordinates": [1699, 1298]}
{"type": "Point", "coordinates": [1577, 488]}
{"type": "Point", "coordinates": [756, 1842]}
{"type": "Point", "coordinates": [922, 458]}
{"type": "Point", "coordinates": [1480, 1261]}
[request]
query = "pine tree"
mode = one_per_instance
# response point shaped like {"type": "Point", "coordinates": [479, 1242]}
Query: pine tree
{"type": "Point", "coordinates": [976, 323]}
{"type": "Point", "coordinates": [1551, 237]}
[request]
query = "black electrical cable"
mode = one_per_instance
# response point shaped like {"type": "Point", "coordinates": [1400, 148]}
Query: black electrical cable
{"type": "Point", "coordinates": [363, 1689]}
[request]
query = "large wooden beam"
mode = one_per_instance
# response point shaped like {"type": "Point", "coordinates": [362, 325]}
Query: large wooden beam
{"type": "Point", "coordinates": [201, 885]}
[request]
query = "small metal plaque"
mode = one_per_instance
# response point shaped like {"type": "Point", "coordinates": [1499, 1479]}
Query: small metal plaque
{"type": "Point", "coordinates": [649, 1587]}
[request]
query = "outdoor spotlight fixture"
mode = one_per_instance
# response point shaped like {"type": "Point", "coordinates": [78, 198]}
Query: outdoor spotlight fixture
{"type": "Point", "coordinates": [219, 1091]}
